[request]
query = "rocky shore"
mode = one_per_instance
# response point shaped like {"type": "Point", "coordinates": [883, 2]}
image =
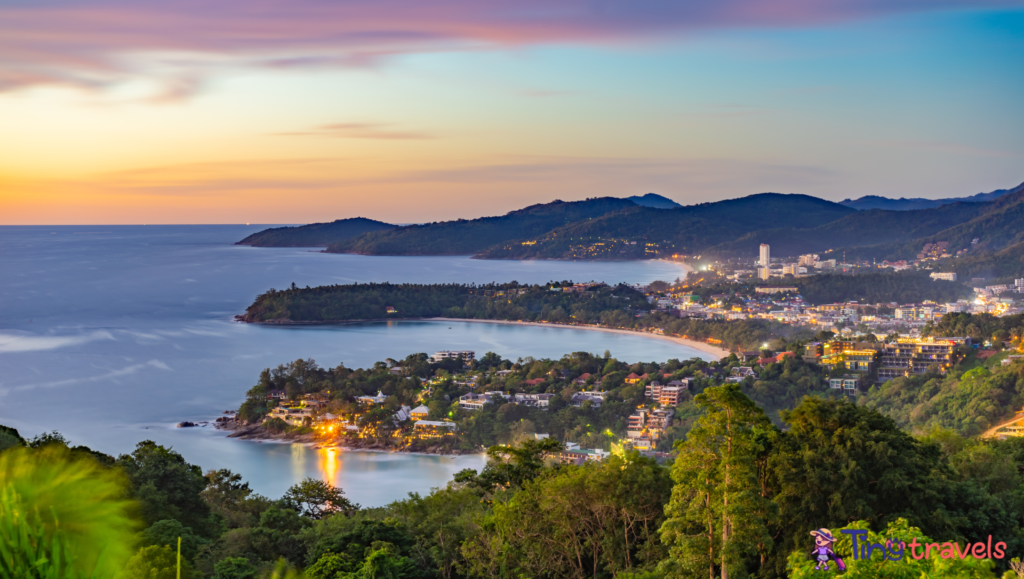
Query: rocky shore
{"type": "Point", "coordinates": [256, 431]}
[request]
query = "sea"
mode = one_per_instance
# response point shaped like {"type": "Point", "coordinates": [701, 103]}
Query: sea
{"type": "Point", "coordinates": [111, 335]}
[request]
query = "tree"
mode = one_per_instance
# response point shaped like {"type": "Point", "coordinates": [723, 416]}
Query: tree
{"type": "Point", "coordinates": [167, 486]}
{"type": "Point", "coordinates": [839, 462]}
{"type": "Point", "coordinates": [156, 562]}
{"type": "Point", "coordinates": [331, 566]}
{"type": "Point", "coordinates": [233, 500]}
{"type": "Point", "coordinates": [511, 466]}
{"type": "Point", "coordinates": [319, 499]}
{"type": "Point", "coordinates": [574, 522]}
{"type": "Point", "coordinates": [717, 515]}
{"type": "Point", "coordinates": [234, 568]}
{"type": "Point", "coordinates": [440, 522]}
{"type": "Point", "coordinates": [385, 562]}
{"type": "Point", "coordinates": [166, 534]}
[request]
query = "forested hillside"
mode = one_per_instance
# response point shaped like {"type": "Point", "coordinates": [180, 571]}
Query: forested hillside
{"type": "Point", "coordinates": [687, 229]}
{"type": "Point", "coordinates": [904, 204]}
{"type": "Point", "coordinates": [860, 229]}
{"type": "Point", "coordinates": [615, 229]}
{"type": "Point", "coordinates": [998, 227]}
{"type": "Point", "coordinates": [873, 288]}
{"type": "Point", "coordinates": [466, 237]}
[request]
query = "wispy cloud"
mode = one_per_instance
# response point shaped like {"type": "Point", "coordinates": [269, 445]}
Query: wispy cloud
{"type": "Point", "coordinates": [359, 131]}
{"type": "Point", "coordinates": [95, 44]}
{"type": "Point", "coordinates": [947, 147]}
{"type": "Point", "coordinates": [541, 93]}
{"type": "Point", "coordinates": [110, 375]}
{"type": "Point", "coordinates": [24, 342]}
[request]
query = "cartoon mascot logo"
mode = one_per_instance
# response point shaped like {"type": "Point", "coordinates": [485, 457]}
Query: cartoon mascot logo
{"type": "Point", "coordinates": [823, 552]}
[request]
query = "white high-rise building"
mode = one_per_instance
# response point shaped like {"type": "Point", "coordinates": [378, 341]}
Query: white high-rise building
{"type": "Point", "coordinates": [766, 255]}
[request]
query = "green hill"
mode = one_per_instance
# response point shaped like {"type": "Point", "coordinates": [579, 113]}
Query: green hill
{"type": "Point", "coordinates": [467, 237]}
{"type": "Point", "coordinates": [997, 225]}
{"type": "Point", "coordinates": [860, 229]}
{"type": "Point", "coordinates": [314, 234]}
{"type": "Point", "coordinates": [904, 204]}
{"type": "Point", "coordinates": [612, 228]}
{"type": "Point", "coordinates": [653, 200]}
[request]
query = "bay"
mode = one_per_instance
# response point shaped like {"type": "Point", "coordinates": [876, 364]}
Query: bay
{"type": "Point", "coordinates": [112, 334]}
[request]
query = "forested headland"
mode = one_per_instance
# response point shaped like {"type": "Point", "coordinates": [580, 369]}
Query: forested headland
{"type": "Point", "coordinates": [619, 307]}
{"type": "Point", "coordinates": [416, 380]}
{"type": "Point", "coordinates": [314, 234]}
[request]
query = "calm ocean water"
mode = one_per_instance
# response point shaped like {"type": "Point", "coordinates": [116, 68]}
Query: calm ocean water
{"type": "Point", "coordinates": [112, 334]}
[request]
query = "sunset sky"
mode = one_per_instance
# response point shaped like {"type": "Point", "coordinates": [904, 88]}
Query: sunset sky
{"type": "Point", "coordinates": [274, 111]}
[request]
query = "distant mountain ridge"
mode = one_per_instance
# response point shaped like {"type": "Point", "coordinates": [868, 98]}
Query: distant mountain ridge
{"type": "Point", "coordinates": [654, 200]}
{"type": "Point", "coordinates": [314, 234]}
{"type": "Point", "coordinates": [904, 204]}
{"type": "Point", "coordinates": [469, 237]}
{"type": "Point", "coordinates": [611, 228]}
{"type": "Point", "coordinates": [663, 232]}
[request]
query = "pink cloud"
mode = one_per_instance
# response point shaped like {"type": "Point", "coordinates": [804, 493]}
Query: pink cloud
{"type": "Point", "coordinates": [98, 43]}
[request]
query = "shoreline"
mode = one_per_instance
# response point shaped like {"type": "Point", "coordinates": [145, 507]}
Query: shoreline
{"type": "Point", "coordinates": [696, 345]}
{"type": "Point", "coordinates": [257, 434]}
{"type": "Point", "coordinates": [700, 346]}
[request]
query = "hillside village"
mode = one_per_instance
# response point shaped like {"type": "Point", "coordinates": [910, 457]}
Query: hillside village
{"type": "Point", "coordinates": [455, 402]}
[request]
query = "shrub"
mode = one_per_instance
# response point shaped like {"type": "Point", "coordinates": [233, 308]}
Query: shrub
{"type": "Point", "coordinates": [61, 516]}
{"type": "Point", "coordinates": [276, 425]}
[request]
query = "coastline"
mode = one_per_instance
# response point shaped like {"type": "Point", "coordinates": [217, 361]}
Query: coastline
{"type": "Point", "coordinates": [701, 346]}
{"type": "Point", "coordinates": [257, 433]}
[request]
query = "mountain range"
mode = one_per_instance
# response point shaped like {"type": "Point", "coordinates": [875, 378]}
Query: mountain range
{"type": "Point", "coordinates": [904, 204]}
{"type": "Point", "coordinates": [989, 226]}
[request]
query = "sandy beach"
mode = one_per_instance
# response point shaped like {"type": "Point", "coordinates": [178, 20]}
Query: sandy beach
{"type": "Point", "coordinates": [702, 346]}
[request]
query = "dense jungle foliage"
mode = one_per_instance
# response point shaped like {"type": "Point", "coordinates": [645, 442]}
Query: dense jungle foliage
{"type": "Point", "coordinates": [510, 301]}
{"type": "Point", "coordinates": [872, 288]}
{"type": "Point", "coordinates": [739, 499]}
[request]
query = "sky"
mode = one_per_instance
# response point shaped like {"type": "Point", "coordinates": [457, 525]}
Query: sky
{"type": "Point", "coordinates": [298, 111]}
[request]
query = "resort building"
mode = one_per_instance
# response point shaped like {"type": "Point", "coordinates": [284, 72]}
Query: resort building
{"type": "Point", "coordinates": [848, 384]}
{"type": "Point", "coordinates": [534, 400]}
{"type": "Point", "coordinates": [292, 416]}
{"type": "Point", "coordinates": [433, 428]}
{"type": "Point", "coordinates": [910, 356]}
{"type": "Point", "coordinates": [464, 355]}
{"type": "Point", "coordinates": [378, 399]}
